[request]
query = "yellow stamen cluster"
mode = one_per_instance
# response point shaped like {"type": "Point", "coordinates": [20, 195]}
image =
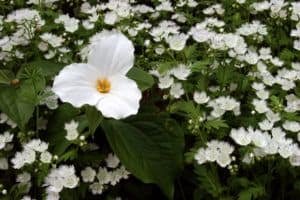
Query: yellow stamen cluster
{"type": "Point", "coordinates": [103, 85]}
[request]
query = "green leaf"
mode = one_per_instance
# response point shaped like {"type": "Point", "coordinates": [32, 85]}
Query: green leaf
{"type": "Point", "coordinates": [286, 55]}
{"type": "Point", "coordinates": [200, 65]}
{"type": "Point", "coordinates": [142, 78]}
{"type": "Point", "coordinates": [48, 68]}
{"type": "Point", "coordinates": [209, 180]}
{"type": "Point", "coordinates": [69, 155]}
{"type": "Point", "coordinates": [33, 78]}
{"type": "Point", "coordinates": [252, 193]}
{"type": "Point", "coordinates": [190, 52]}
{"type": "Point", "coordinates": [186, 107]}
{"type": "Point", "coordinates": [224, 75]}
{"type": "Point", "coordinates": [150, 147]}
{"type": "Point", "coordinates": [216, 124]}
{"type": "Point", "coordinates": [163, 67]}
{"type": "Point", "coordinates": [18, 104]}
{"type": "Point", "coordinates": [94, 118]}
{"type": "Point", "coordinates": [6, 76]}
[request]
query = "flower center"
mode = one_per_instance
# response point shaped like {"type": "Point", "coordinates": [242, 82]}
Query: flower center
{"type": "Point", "coordinates": [103, 85]}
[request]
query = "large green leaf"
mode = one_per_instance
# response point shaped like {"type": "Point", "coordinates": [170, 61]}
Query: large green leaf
{"type": "Point", "coordinates": [142, 78]}
{"type": "Point", "coordinates": [151, 148]}
{"type": "Point", "coordinates": [18, 104]}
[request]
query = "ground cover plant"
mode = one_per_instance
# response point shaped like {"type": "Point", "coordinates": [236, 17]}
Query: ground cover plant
{"type": "Point", "coordinates": [158, 99]}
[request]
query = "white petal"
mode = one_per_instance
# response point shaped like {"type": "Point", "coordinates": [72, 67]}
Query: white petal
{"type": "Point", "coordinates": [112, 54]}
{"type": "Point", "coordinates": [76, 84]}
{"type": "Point", "coordinates": [123, 99]}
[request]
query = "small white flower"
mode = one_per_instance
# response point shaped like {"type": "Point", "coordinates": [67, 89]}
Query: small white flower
{"type": "Point", "coordinates": [297, 45]}
{"type": "Point", "coordinates": [258, 138]}
{"type": "Point", "coordinates": [201, 97]}
{"type": "Point", "coordinates": [53, 40]}
{"type": "Point", "coordinates": [70, 23]}
{"type": "Point", "coordinates": [43, 46]}
{"type": "Point", "coordinates": [227, 103]}
{"type": "Point", "coordinates": [103, 175]}
{"type": "Point", "coordinates": [25, 177]}
{"type": "Point", "coordinates": [223, 159]}
{"type": "Point", "coordinates": [29, 156]}
{"type": "Point", "coordinates": [70, 181]}
{"type": "Point", "coordinates": [96, 188]}
{"type": "Point", "coordinates": [263, 94]}
{"type": "Point", "coordinates": [71, 128]}
{"type": "Point", "coordinates": [176, 90]}
{"type": "Point", "coordinates": [265, 125]}
{"type": "Point", "coordinates": [273, 117]}
{"type": "Point", "coordinates": [159, 50]}
{"type": "Point", "coordinates": [112, 161]}
{"type": "Point", "coordinates": [291, 126]}
{"type": "Point", "coordinates": [200, 35]}
{"type": "Point", "coordinates": [260, 105]}
{"type": "Point", "coordinates": [5, 138]}
{"type": "Point", "coordinates": [295, 160]}
{"type": "Point", "coordinates": [200, 156]}
{"type": "Point", "coordinates": [88, 174]}
{"type": "Point", "coordinates": [285, 150]}
{"type": "Point", "coordinates": [46, 157]}
{"type": "Point", "coordinates": [240, 136]}
{"type": "Point", "coordinates": [165, 81]}
{"type": "Point", "coordinates": [181, 72]}
{"type": "Point", "coordinates": [177, 42]}
{"type": "Point", "coordinates": [110, 18]}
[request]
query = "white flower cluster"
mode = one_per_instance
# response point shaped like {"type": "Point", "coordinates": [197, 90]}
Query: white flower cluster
{"type": "Point", "coordinates": [62, 177]}
{"type": "Point", "coordinates": [216, 151]}
{"type": "Point", "coordinates": [254, 28]}
{"type": "Point", "coordinates": [214, 9]}
{"type": "Point", "coordinates": [70, 23]}
{"type": "Point", "coordinates": [105, 176]}
{"type": "Point", "coordinates": [29, 153]}
{"type": "Point", "coordinates": [27, 22]}
{"type": "Point", "coordinates": [166, 80]}
{"type": "Point", "coordinates": [266, 144]}
{"type": "Point", "coordinates": [222, 105]}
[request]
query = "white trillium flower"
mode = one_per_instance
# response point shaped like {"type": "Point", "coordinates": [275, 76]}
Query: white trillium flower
{"type": "Point", "coordinates": [102, 82]}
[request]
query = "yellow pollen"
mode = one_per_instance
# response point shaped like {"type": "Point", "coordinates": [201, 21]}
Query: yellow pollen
{"type": "Point", "coordinates": [103, 85]}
